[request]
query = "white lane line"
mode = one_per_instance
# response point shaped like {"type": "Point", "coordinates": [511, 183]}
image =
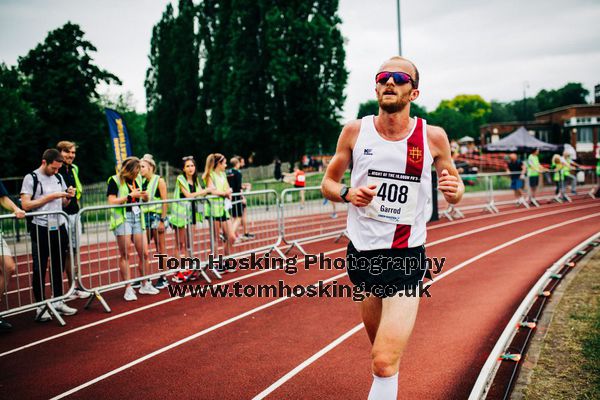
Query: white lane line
{"type": "Point", "coordinates": [146, 307]}
{"type": "Point", "coordinates": [309, 361]}
{"type": "Point", "coordinates": [509, 212]}
{"type": "Point", "coordinates": [352, 331]}
{"type": "Point", "coordinates": [183, 341]}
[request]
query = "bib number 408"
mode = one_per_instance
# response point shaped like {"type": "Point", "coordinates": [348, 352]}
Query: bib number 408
{"type": "Point", "coordinates": [392, 193]}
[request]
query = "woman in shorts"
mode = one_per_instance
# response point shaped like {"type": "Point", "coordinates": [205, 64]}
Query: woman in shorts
{"type": "Point", "coordinates": [127, 223]}
{"type": "Point", "coordinates": [155, 215]}
{"type": "Point", "coordinates": [215, 178]}
{"type": "Point", "coordinates": [186, 213]}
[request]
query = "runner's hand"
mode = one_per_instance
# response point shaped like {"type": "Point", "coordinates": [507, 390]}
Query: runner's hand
{"type": "Point", "coordinates": [448, 184]}
{"type": "Point", "coordinates": [362, 196]}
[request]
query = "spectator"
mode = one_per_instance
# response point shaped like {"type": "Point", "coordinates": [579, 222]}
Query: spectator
{"type": "Point", "coordinates": [597, 189]}
{"type": "Point", "coordinates": [277, 171]}
{"type": "Point", "coordinates": [517, 170]}
{"type": "Point", "coordinates": [70, 173]}
{"type": "Point", "coordinates": [44, 190]}
{"type": "Point", "coordinates": [533, 172]}
{"type": "Point", "coordinates": [558, 177]}
{"type": "Point", "coordinates": [299, 179]}
{"type": "Point", "coordinates": [568, 166]}
{"type": "Point", "coordinates": [156, 214]}
{"type": "Point", "coordinates": [7, 262]}
{"type": "Point", "coordinates": [238, 209]}
{"type": "Point", "coordinates": [127, 223]}
{"type": "Point", "coordinates": [215, 178]}
{"type": "Point", "coordinates": [184, 214]}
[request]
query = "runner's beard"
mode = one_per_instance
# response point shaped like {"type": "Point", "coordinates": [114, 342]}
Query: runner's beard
{"type": "Point", "coordinates": [395, 107]}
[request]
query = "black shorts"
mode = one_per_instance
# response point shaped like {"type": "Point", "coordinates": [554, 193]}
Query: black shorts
{"type": "Point", "coordinates": [237, 209]}
{"type": "Point", "coordinates": [534, 181]}
{"type": "Point", "coordinates": [391, 270]}
{"type": "Point", "coordinates": [221, 218]}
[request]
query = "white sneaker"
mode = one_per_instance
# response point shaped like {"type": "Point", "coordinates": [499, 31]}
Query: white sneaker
{"type": "Point", "coordinates": [147, 288]}
{"type": "Point", "coordinates": [63, 308]}
{"type": "Point", "coordinates": [79, 294]}
{"type": "Point", "coordinates": [130, 294]}
{"type": "Point", "coordinates": [45, 317]}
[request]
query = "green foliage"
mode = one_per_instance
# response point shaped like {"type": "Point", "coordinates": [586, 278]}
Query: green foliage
{"type": "Point", "coordinates": [369, 107]}
{"type": "Point", "coordinates": [60, 82]}
{"type": "Point", "coordinates": [176, 121]}
{"type": "Point", "coordinates": [571, 93]}
{"type": "Point", "coordinates": [418, 111]}
{"type": "Point", "coordinates": [461, 116]}
{"type": "Point", "coordinates": [17, 123]}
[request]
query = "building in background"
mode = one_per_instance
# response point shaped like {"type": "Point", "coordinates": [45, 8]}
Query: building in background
{"type": "Point", "coordinates": [577, 124]}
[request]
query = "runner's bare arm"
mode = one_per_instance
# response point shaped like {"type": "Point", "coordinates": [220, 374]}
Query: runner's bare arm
{"type": "Point", "coordinates": [331, 186]}
{"type": "Point", "coordinates": [449, 182]}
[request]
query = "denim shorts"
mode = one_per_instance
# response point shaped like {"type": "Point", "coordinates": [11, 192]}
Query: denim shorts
{"type": "Point", "coordinates": [131, 226]}
{"type": "Point", "coordinates": [74, 228]}
{"type": "Point", "coordinates": [153, 220]}
{"type": "Point", "coordinates": [4, 248]}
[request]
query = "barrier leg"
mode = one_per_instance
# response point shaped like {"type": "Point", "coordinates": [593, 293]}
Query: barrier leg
{"type": "Point", "coordinates": [49, 307]}
{"type": "Point", "coordinates": [98, 297]}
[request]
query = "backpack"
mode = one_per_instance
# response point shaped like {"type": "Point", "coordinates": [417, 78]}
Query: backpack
{"type": "Point", "coordinates": [36, 182]}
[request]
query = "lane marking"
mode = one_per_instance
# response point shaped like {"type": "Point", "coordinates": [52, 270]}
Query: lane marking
{"type": "Point", "coordinates": [183, 341]}
{"type": "Point", "coordinates": [168, 300]}
{"type": "Point", "coordinates": [352, 331]}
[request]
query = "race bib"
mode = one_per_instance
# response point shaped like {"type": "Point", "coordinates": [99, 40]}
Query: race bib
{"type": "Point", "coordinates": [396, 197]}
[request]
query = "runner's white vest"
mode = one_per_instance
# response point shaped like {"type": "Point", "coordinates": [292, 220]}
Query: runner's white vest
{"type": "Point", "coordinates": [401, 170]}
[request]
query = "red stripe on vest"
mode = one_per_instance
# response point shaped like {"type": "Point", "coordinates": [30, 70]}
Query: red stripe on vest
{"type": "Point", "coordinates": [414, 166]}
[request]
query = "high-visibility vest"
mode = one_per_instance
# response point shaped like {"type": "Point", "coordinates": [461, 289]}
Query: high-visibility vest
{"type": "Point", "coordinates": [181, 212]}
{"type": "Point", "coordinates": [217, 206]}
{"type": "Point", "coordinates": [78, 185]}
{"type": "Point", "coordinates": [559, 172]}
{"type": "Point", "coordinates": [117, 214]}
{"type": "Point", "coordinates": [151, 189]}
{"type": "Point", "coordinates": [533, 165]}
{"type": "Point", "coordinates": [598, 168]}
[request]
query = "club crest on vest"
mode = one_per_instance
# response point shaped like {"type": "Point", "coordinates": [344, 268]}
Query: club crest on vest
{"type": "Point", "coordinates": [415, 154]}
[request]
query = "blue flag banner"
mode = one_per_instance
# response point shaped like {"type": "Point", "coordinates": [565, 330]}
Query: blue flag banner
{"type": "Point", "coordinates": [118, 136]}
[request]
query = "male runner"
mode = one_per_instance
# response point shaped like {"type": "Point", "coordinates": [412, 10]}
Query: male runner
{"type": "Point", "coordinates": [390, 184]}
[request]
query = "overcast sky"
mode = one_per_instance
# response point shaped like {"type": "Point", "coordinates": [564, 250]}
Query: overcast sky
{"type": "Point", "coordinates": [489, 48]}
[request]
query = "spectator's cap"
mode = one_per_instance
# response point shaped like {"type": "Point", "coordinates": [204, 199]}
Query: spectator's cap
{"type": "Point", "coordinates": [52, 155]}
{"type": "Point", "coordinates": [150, 160]}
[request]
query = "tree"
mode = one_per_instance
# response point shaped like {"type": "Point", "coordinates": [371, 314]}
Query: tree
{"type": "Point", "coordinates": [18, 124]}
{"type": "Point", "coordinates": [307, 74]}
{"type": "Point", "coordinates": [571, 93]}
{"type": "Point", "coordinates": [177, 122]}
{"type": "Point", "coordinates": [60, 84]}
{"type": "Point", "coordinates": [500, 112]}
{"type": "Point", "coordinates": [369, 107]}
{"type": "Point", "coordinates": [462, 115]}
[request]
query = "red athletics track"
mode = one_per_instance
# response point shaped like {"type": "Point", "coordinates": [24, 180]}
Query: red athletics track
{"type": "Point", "coordinates": [455, 328]}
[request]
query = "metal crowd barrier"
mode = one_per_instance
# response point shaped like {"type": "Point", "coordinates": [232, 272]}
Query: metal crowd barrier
{"type": "Point", "coordinates": [18, 296]}
{"type": "Point", "coordinates": [98, 257]}
{"type": "Point", "coordinates": [307, 215]}
{"type": "Point", "coordinates": [494, 190]}
{"type": "Point", "coordinates": [262, 214]}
